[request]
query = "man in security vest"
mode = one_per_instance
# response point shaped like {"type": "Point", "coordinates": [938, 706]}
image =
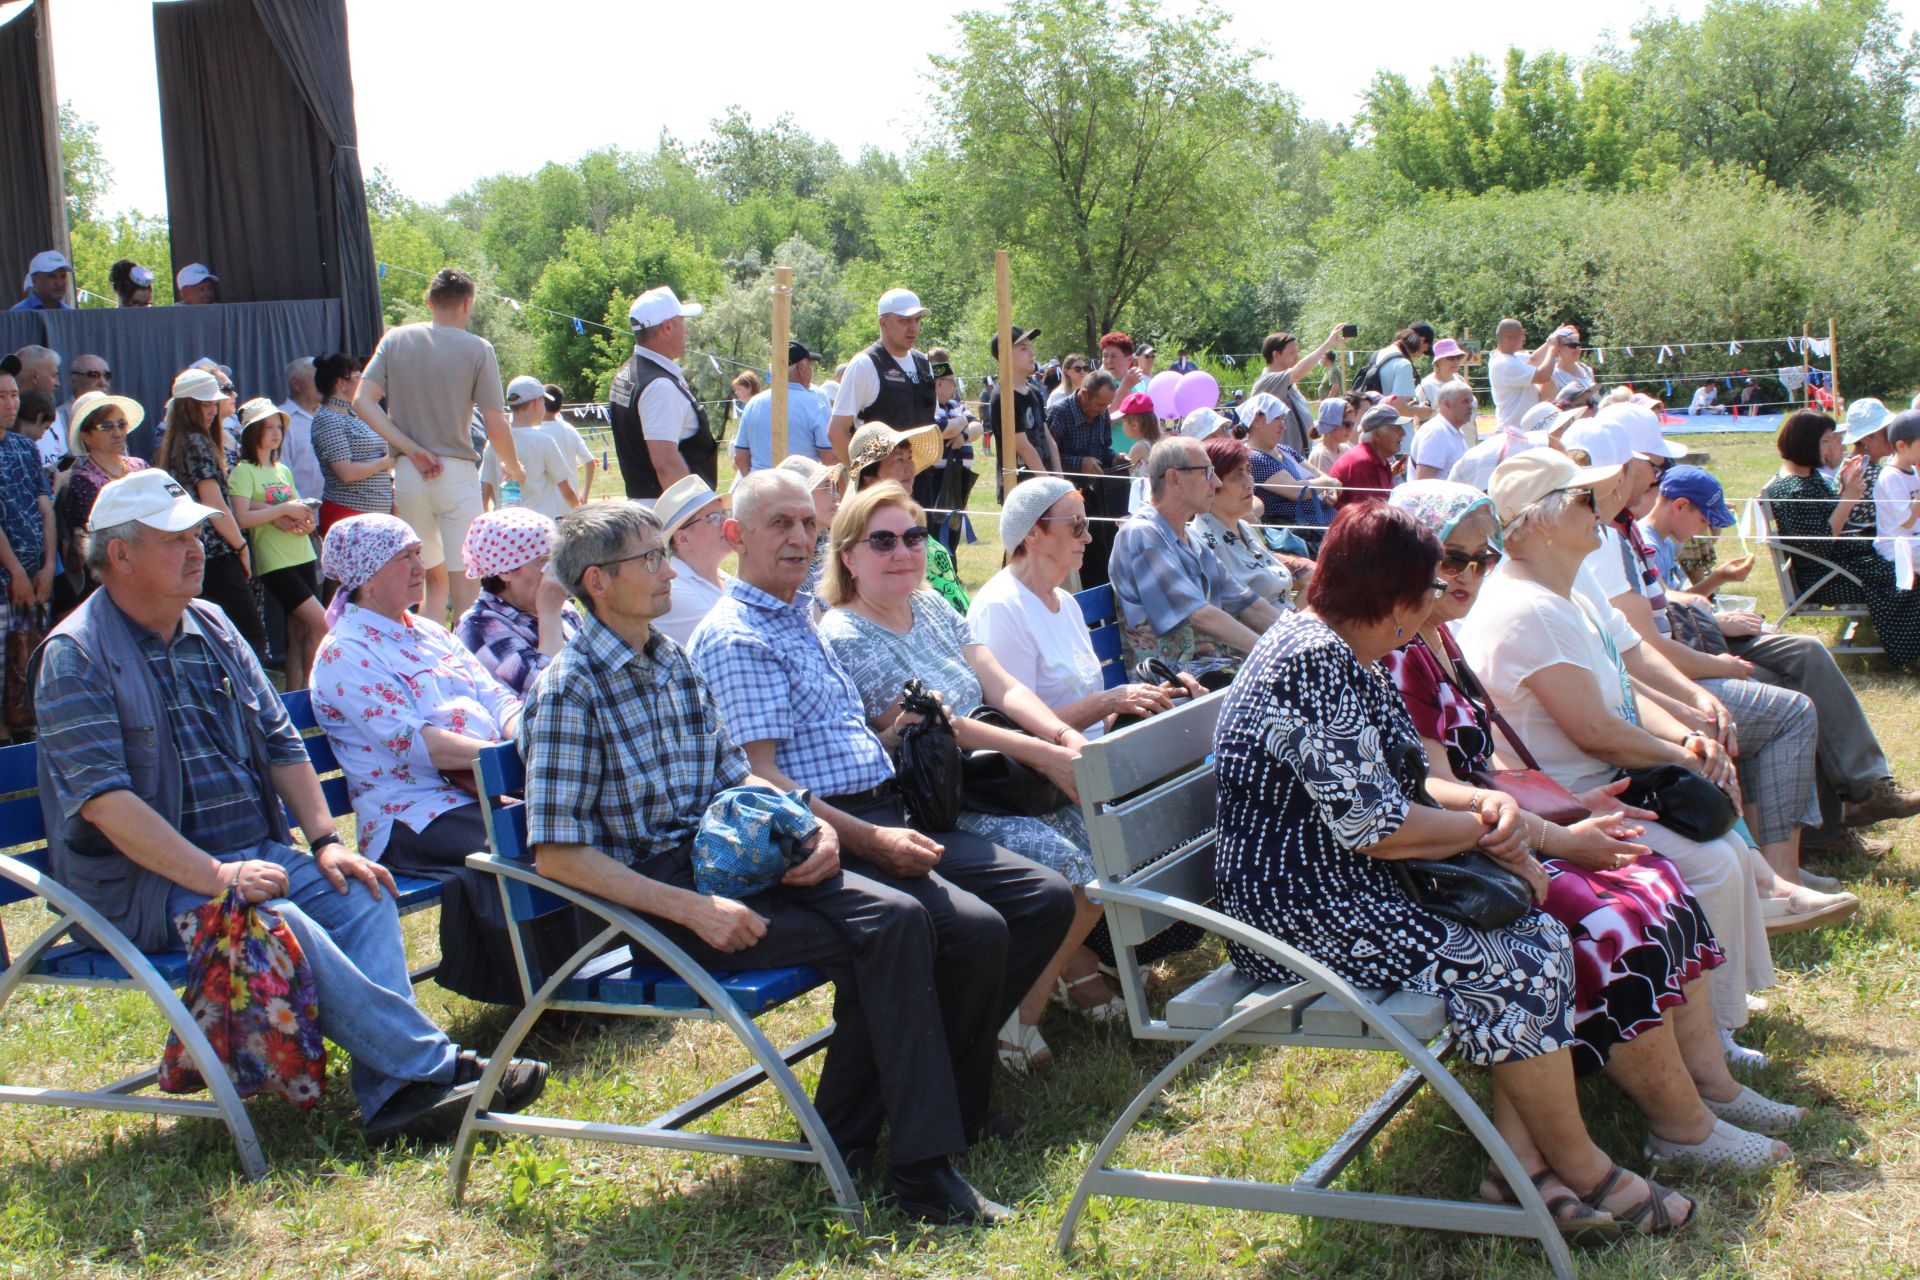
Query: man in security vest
{"type": "Point", "coordinates": [889, 382]}
{"type": "Point", "coordinates": [660, 431]}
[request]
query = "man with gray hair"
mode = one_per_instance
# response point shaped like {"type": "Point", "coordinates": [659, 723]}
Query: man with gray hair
{"type": "Point", "coordinates": [1442, 439]}
{"type": "Point", "coordinates": [625, 749]}
{"type": "Point", "coordinates": [1177, 602]}
{"type": "Point", "coordinates": [39, 370]}
{"type": "Point", "coordinates": [995, 918]}
{"type": "Point", "coordinates": [296, 446]}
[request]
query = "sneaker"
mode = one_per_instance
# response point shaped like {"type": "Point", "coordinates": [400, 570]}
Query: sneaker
{"type": "Point", "coordinates": [1848, 844]}
{"type": "Point", "coordinates": [1888, 799]}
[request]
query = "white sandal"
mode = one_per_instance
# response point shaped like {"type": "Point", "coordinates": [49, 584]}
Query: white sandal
{"type": "Point", "coordinates": [1806, 908]}
{"type": "Point", "coordinates": [1757, 1112]}
{"type": "Point", "coordinates": [1728, 1146]}
{"type": "Point", "coordinates": [1112, 1009]}
{"type": "Point", "coordinates": [1020, 1047]}
{"type": "Point", "coordinates": [1741, 1058]}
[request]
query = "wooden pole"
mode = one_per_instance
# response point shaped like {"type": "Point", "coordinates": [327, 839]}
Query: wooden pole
{"type": "Point", "coordinates": [1833, 367]}
{"type": "Point", "coordinates": [777, 370]}
{"type": "Point", "coordinates": [50, 114]}
{"type": "Point", "coordinates": [1806, 365]}
{"type": "Point", "coordinates": [1003, 290]}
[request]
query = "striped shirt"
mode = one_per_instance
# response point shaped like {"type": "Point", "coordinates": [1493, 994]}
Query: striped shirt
{"type": "Point", "coordinates": [79, 725]}
{"type": "Point", "coordinates": [339, 436]}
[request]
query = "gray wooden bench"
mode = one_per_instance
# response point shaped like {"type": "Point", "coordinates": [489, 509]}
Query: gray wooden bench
{"type": "Point", "coordinates": [1148, 793]}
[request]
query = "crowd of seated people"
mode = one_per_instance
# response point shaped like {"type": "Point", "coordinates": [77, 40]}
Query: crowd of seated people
{"type": "Point", "coordinates": [1529, 610]}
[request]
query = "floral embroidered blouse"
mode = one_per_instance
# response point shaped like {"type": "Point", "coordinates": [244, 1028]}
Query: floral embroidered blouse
{"type": "Point", "coordinates": [376, 684]}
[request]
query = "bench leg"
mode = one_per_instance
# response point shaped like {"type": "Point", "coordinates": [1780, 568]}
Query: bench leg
{"type": "Point", "coordinates": [1420, 1059]}
{"type": "Point", "coordinates": [75, 913]}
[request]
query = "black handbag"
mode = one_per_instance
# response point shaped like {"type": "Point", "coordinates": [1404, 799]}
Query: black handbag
{"type": "Point", "coordinates": [1686, 802]}
{"type": "Point", "coordinates": [1471, 887]}
{"type": "Point", "coordinates": [927, 765]}
{"type": "Point", "coordinates": [996, 783]}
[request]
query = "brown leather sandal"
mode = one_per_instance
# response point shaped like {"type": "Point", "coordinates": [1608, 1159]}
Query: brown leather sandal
{"type": "Point", "coordinates": [1650, 1216]}
{"type": "Point", "coordinates": [1578, 1221]}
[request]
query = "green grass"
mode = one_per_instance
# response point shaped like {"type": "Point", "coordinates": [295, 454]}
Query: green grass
{"type": "Point", "coordinates": [88, 1194]}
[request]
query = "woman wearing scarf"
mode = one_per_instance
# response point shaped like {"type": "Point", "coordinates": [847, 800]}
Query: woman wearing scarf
{"type": "Point", "coordinates": [522, 615]}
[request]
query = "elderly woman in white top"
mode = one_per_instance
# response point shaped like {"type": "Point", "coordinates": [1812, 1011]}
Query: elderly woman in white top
{"type": "Point", "coordinates": [690, 515]}
{"type": "Point", "coordinates": [408, 710]}
{"type": "Point", "coordinates": [1034, 628]}
{"type": "Point", "coordinates": [1549, 658]}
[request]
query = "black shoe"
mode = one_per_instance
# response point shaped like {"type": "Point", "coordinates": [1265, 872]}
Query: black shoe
{"type": "Point", "coordinates": [933, 1191]}
{"type": "Point", "coordinates": [998, 1125]}
{"type": "Point", "coordinates": [422, 1112]}
{"type": "Point", "coordinates": [524, 1081]}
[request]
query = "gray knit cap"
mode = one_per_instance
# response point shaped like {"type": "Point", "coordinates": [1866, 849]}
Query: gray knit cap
{"type": "Point", "coordinates": [1026, 504]}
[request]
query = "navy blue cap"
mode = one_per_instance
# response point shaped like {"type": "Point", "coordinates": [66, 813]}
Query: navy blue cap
{"type": "Point", "coordinates": [1702, 490]}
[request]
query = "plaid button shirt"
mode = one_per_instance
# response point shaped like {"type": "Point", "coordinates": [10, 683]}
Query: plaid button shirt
{"type": "Point", "coordinates": [775, 680]}
{"type": "Point", "coordinates": [1161, 578]}
{"type": "Point", "coordinates": [624, 750]}
{"type": "Point", "coordinates": [1078, 435]}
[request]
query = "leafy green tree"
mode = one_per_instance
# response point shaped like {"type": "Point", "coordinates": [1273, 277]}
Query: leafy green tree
{"type": "Point", "coordinates": [781, 158]}
{"type": "Point", "coordinates": [1794, 90]}
{"type": "Point", "coordinates": [83, 166]}
{"type": "Point", "coordinates": [1102, 142]}
{"type": "Point", "coordinates": [739, 323]}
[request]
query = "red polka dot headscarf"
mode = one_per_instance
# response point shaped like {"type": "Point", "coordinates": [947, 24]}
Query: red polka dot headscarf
{"type": "Point", "coordinates": [502, 540]}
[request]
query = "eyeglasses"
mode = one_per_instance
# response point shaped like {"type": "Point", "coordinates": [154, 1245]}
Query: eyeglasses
{"type": "Point", "coordinates": [1207, 468]}
{"type": "Point", "coordinates": [111, 424]}
{"type": "Point", "coordinates": [651, 560]}
{"type": "Point", "coordinates": [93, 375]}
{"type": "Point", "coordinates": [1455, 563]}
{"type": "Point", "coordinates": [1076, 525]}
{"type": "Point", "coordinates": [225, 389]}
{"type": "Point", "coordinates": [883, 541]}
{"type": "Point", "coordinates": [1585, 498]}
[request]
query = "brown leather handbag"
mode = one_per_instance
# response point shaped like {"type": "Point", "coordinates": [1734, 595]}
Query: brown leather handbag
{"type": "Point", "coordinates": [1531, 789]}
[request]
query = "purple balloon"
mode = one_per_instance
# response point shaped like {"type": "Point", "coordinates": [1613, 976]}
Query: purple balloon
{"type": "Point", "coordinates": [1197, 390]}
{"type": "Point", "coordinates": [1164, 387]}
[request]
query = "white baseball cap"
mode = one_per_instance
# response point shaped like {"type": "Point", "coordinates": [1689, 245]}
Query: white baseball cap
{"type": "Point", "coordinates": [193, 273]}
{"type": "Point", "coordinates": [1605, 444]}
{"type": "Point", "coordinates": [152, 497]}
{"type": "Point", "coordinates": [659, 305]}
{"type": "Point", "coordinates": [48, 260]}
{"type": "Point", "coordinates": [525, 389]}
{"type": "Point", "coordinates": [1641, 426]}
{"type": "Point", "coordinates": [901, 302]}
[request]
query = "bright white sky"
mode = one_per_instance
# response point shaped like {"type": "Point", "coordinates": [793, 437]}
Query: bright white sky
{"type": "Point", "coordinates": [618, 71]}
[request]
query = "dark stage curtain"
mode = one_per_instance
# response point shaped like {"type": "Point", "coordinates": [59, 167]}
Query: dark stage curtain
{"type": "Point", "coordinates": [33, 177]}
{"type": "Point", "coordinates": [263, 178]}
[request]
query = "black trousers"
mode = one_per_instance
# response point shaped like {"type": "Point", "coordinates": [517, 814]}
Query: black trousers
{"type": "Point", "coordinates": [226, 584]}
{"type": "Point", "coordinates": [997, 919]}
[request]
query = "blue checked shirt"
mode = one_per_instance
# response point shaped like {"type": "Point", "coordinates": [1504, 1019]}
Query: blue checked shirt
{"type": "Point", "coordinates": [624, 750]}
{"type": "Point", "coordinates": [1163, 579]}
{"type": "Point", "coordinates": [775, 680]}
{"type": "Point", "coordinates": [79, 726]}
{"type": "Point", "coordinates": [1080, 436]}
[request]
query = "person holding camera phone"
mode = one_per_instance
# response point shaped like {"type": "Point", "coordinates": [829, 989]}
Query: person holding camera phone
{"type": "Point", "coordinates": [1520, 380]}
{"type": "Point", "coordinates": [1285, 368]}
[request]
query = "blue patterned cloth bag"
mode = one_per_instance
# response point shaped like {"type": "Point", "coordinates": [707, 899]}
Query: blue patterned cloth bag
{"type": "Point", "coordinates": [749, 837]}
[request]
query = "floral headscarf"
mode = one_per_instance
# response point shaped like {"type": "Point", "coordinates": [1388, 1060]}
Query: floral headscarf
{"type": "Point", "coordinates": [1441, 505]}
{"type": "Point", "coordinates": [359, 547]}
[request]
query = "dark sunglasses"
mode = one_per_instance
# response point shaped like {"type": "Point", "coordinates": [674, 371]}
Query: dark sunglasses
{"type": "Point", "coordinates": [1076, 525]}
{"type": "Point", "coordinates": [883, 541]}
{"type": "Point", "coordinates": [1455, 563]}
{"type": "Point", "coordinates": [110, 424]}
{"type": "Point", "coordinates": [96, 375]}
{"type": "Point", "coordinates": [1585, 498]}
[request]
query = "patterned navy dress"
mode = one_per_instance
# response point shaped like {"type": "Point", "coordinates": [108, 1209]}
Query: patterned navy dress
{"type": "Point", "coordinates": [1304, 756]}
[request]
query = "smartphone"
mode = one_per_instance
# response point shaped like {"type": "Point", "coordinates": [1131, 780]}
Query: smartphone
{"type": "Point", "coordinates": [1349, 330]}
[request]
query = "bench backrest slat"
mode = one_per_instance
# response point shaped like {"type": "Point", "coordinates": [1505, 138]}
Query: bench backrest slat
{"type": "Point", "coordinates": [1141, 755]}
{"type": "Point", "coordinates": [500, 772]}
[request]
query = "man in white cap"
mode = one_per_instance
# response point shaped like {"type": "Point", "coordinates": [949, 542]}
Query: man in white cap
{"type": "Point", "coordinates": [171, 781]}
{"type": "Point", "coordinates": [193, 285]}
{"type": "Point", "coordinates": [660, 428]}
{"type": "Point", "coordinates": [889, 382]}
{"type": "Point", "coordinates": [49, 278]}
{"type": "Point", "coordinates": [434, 377]}
{"type": "Point", "coordinates": [548, 486]}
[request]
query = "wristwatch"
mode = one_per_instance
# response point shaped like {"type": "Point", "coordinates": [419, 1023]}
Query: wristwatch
{"type": "Point", "coordinates": [315, 845]}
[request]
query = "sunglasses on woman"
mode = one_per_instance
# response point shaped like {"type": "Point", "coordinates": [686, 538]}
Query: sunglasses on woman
{"type": "Point", "coordinates": [1076, 525]}
{"type": "Point", "coordinates": [1455, 563]}
{"type": "Point", "coordinates": [1585, 498]}
{"type": "Point", "coordinates": [883, 541]}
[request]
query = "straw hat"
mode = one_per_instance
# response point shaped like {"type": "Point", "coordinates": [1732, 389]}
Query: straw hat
{"type": "Point", "coordinates": [875, 440]}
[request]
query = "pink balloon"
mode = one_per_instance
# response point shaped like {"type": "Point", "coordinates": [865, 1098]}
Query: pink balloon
{"type": "Point", "coordinates": [1197, 390]}
{"type": "Point", "coordinates": [1164, 387]}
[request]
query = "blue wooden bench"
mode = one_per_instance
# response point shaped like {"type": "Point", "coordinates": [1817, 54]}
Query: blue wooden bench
{"type": "Point", "coordinates": [1101, 609]}
{"type": "Point", "coordinates": [648, 976]}
{"type": "Point", "coordinates": [54, 958]}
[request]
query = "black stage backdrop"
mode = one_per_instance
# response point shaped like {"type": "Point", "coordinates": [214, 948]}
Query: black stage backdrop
{"type": "Point", "coordinates": [26, 197]}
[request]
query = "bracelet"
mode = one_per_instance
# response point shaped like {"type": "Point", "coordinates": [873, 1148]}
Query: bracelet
{"type": "Point", "coordinates": [1475, 800]}
{"type": "Point", "coordinates": [1060, 736]}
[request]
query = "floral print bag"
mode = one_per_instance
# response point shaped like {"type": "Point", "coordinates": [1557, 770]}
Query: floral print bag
{"type": "Point", "coordinates": [251, 990]}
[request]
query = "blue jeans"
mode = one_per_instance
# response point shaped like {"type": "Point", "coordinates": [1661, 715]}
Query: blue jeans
{"type": "Point", "coordinates": [360, 978]}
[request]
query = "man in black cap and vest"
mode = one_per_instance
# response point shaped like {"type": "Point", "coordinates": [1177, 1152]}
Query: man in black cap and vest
{"type": "Point", "coordinates": [889, 382]}
{"type": "Point", "coordinates": [660, 431]}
